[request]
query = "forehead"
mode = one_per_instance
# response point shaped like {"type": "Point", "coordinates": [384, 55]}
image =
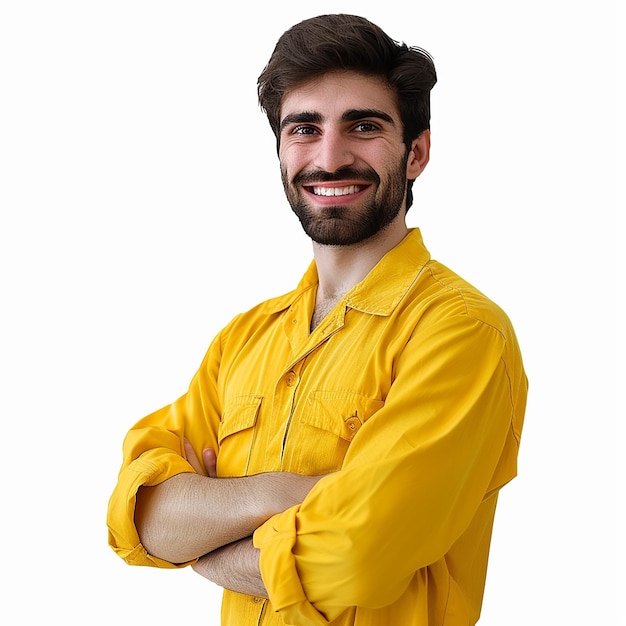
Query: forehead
{"type": "Point", "coordinates": [336, 92]}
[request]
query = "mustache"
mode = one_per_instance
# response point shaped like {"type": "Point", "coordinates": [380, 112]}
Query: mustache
{"type": "Point", "coordinates": [321, 176]}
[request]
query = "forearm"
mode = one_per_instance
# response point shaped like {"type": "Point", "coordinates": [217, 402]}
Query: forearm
{"type": "Point", "coordinates": [234, 567]}
{"type": "Point", "coordinates": [190, 515]}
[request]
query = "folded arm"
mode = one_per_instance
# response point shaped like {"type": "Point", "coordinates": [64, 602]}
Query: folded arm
{"type": "Point", "coordinates": [191, 514]}
{"type": "Point", "coordinates": [234, 567]}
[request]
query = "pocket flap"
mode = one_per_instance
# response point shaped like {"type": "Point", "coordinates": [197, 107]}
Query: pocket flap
{"type": "Point", "coordinates": [340, 412]}
{"type": "Point", "coordinates": [239, 414]}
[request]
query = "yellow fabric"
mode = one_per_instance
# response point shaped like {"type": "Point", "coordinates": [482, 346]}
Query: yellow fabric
{"type": "Point", "coordinates": [411, 394]}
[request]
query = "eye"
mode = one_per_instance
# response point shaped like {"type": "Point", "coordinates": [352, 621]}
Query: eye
{"type": "Point", "coordinates": [366, 127]}
{"type": "Point", "coordinates": [303, 130]}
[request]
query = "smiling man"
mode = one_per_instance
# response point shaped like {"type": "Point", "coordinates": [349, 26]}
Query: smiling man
{"type": "Point", "coordinates": [339, 135]}
{"type": "Point", "coordinates": [338, 455]}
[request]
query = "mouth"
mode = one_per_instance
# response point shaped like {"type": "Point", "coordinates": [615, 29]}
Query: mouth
{"type": "Point", "coordinates": [335, 191]}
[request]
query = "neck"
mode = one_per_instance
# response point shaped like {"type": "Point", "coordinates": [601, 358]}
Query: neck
{"type": "Point", "coordinates": [339, 268]}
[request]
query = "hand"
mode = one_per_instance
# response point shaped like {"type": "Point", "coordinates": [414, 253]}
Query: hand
{"type": "Point", "coordinates": [208, 456]}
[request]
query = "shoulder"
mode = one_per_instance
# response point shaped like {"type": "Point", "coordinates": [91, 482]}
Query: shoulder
{"type": "Point", "coordinates": [442, 295]}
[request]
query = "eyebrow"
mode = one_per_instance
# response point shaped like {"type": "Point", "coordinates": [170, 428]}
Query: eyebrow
{"type": "Point", "coordinates": [351, 115]}
{"type": "Point", "coordinates": [305, 117]}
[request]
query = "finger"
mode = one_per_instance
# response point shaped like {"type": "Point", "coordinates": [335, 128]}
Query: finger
{"type": "Point", "coordinates": [210, 462]}
{"type": "Point", "coordinates": [192, 459]}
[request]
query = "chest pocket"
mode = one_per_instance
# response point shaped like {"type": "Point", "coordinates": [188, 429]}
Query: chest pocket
{"type": "Point", "coordinates": [328, 423]}
{"type": "Point", "coordinates": [236, 434]}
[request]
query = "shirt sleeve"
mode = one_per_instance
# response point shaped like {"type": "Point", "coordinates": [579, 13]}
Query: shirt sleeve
{"type": "Point", "coordinates": [153, 452]}
{"type": "Point", "coordinates": [412, 480]}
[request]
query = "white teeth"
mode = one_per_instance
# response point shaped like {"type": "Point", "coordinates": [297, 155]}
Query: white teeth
{"type": "Point", "coordinates": [335, 191]}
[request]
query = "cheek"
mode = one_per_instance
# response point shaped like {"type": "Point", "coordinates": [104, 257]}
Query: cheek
{"type": "Point", "coordinates": [291, 162]}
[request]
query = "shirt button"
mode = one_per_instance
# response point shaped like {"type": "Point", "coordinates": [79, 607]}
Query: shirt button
{"type": "Point", "coordinates": [353, 424]}
{"type": "Point", "coordinates": [291, 379]}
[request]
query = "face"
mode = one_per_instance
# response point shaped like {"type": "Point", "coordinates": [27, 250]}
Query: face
{"type": "Point", "coordinates": [343, 161]}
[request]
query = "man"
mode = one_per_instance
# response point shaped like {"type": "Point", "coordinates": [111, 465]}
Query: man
{"type": "Point", "coordinates": [338, 455]}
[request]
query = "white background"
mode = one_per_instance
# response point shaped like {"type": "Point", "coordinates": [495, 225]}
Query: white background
{"type": "Point", "coordinates": [141, 208]}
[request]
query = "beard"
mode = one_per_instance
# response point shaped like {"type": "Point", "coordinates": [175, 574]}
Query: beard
{"type": "Point", "coordinates": [339, 225]}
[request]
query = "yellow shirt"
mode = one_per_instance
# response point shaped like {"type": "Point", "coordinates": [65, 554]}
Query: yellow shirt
{"type": "Point", "coordinates": [411, 392]}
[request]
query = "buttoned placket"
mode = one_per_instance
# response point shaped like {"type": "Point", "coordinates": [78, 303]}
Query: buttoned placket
{"type": "Point", "coordinates": [308, 343]}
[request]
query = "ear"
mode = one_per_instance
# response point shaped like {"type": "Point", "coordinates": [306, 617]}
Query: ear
{"type": "Point", "coordinates": [419, 155]}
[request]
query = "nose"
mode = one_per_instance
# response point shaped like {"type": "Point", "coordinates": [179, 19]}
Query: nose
{"type": "Point", "coordinates": [334, 151]}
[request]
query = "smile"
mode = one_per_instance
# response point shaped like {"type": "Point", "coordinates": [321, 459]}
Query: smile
{"type": "Point", "coordinates": [336, 191]}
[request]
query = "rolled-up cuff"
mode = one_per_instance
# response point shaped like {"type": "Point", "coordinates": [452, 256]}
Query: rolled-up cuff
{"type": "Point", "coordinates": [275, 539]}
{"type": "Point", "coordinates": [123, 536]}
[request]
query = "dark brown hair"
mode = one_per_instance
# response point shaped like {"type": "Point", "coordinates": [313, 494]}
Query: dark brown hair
{"type": "Point", "coordinates": [347, 42]}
